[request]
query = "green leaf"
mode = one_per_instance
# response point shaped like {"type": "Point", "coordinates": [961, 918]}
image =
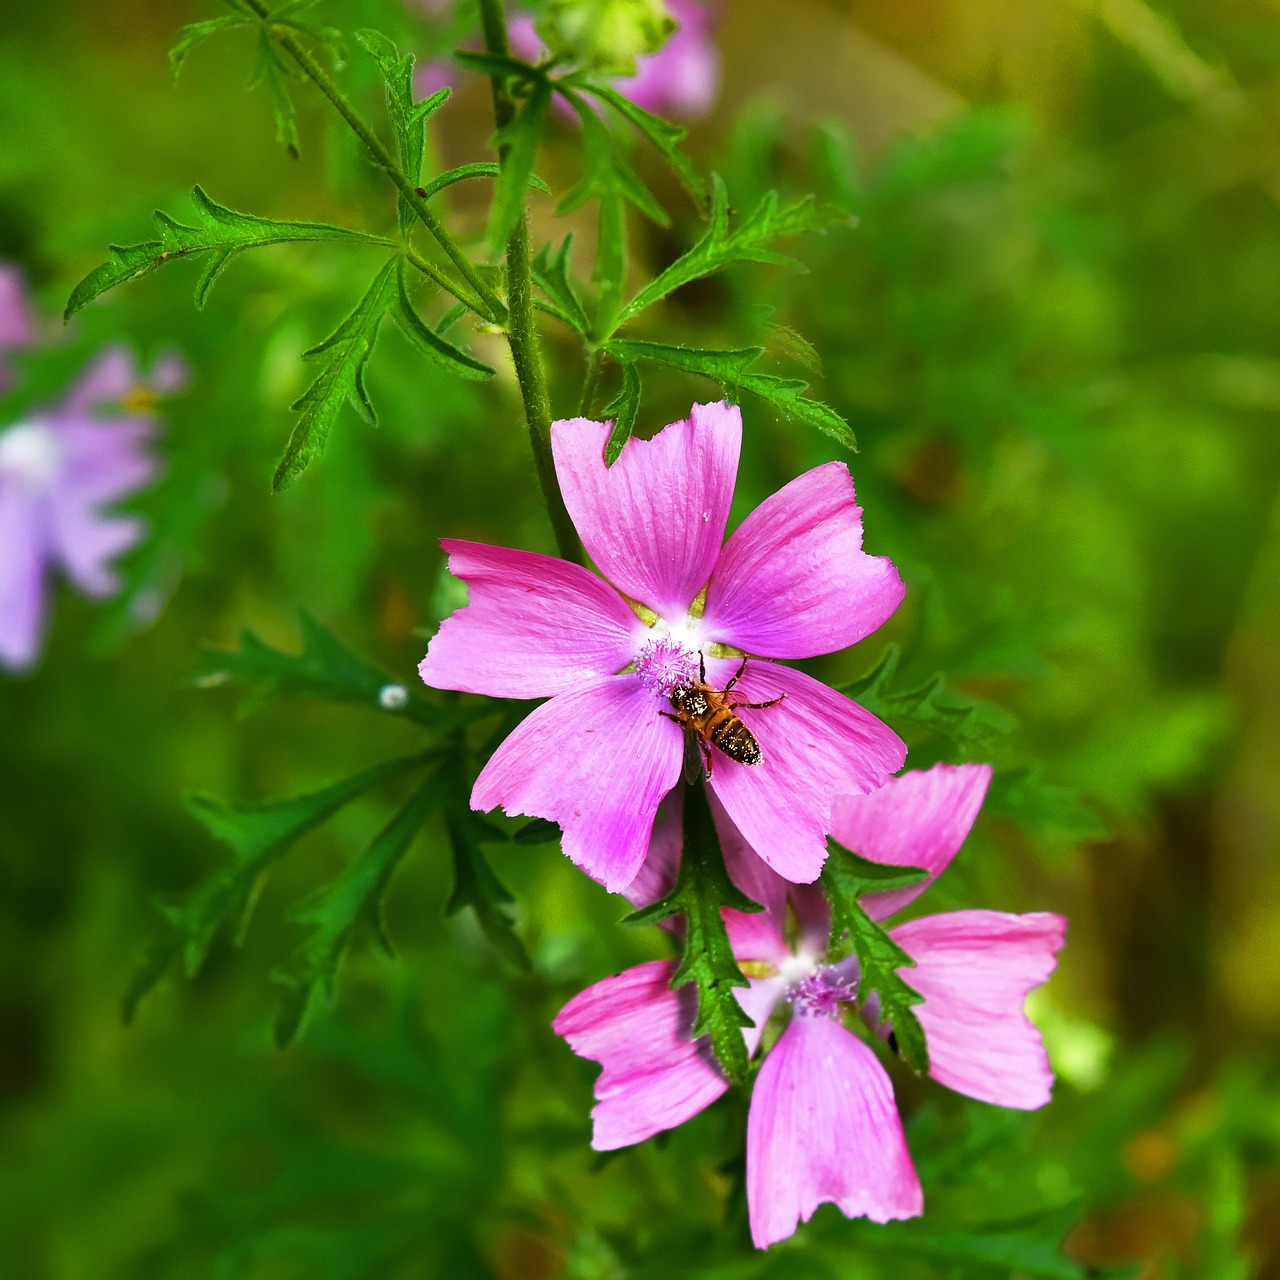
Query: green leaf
{"type": "Point", "coordinates": [497, 64]}
{"type": "Point", "coordinates": [336, 910]}
{"type": "Point", "coordinates": [702, 888]}
{"type": "Point", "coordinates": [930, 708]}
{"type": "Point", "coordinates": [346, 351]}
{"type": "Point", "coordinates": [195, 33]}
{"type": "Point", "coordinates": [275, 75]}
{"type": "Point", "coordinates": [220, 232]}
{"type": "Point", "coordinates": [429, 342]}
{"type": "Point", "coordinates": [539, 831]}
{"type": "Point", "coordinates": [623, 411]}
{"type": "Point", "coordinates": [730, 370]}
{"type": "Point", "coordinates": [483, 169]}
{"type": "Point", "coordinates": [518, 146]}
{"type": "Point", "coordinates": [551, 275]}
{"type": "Point", "coordinates": [258, 835]}
{"type": "Point", "coordinates": [662, 134]}
{"type": "Point", "coordinates": [476, 886]}
{"type": "Point", "coordinates": [720, 247]}
{"type": "Point", "coordinates": [408, 118]}
{"type": "Point", "coordinates": [1044, 808]}
{"type": "Point", "coordinates": [845, 878]}
{"type": "Point", "coordinates": [325, 669]}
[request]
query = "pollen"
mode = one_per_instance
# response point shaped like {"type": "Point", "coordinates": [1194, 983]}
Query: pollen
{"type": "Point", "coordinates": [663, 664]}
{"type": "Point", "coordinates": [820, 995]}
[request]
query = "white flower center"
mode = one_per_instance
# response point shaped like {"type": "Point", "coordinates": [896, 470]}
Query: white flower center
{"type": "Point", "coordinates": [29, 452]}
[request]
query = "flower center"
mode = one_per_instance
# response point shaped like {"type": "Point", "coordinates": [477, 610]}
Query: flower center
{"type": "Point", "coordinates": [29, 452]}
{"type": "Point", "coordinates": [820, 993]}
{"type": "Point", "coordinates": [665, 662]}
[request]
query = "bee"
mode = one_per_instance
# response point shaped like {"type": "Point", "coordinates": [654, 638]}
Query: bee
{"type": "Point", "coordinates": [709, 719]}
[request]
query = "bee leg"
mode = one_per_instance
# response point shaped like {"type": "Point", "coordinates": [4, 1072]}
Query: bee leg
{"type": "Point", "coordinates": [737, 675]}
{"type": "Point", "coordinates": [706, 756]}
{"type": "Point", "coordinates": [760, 706]}
{"type": "Point", "coordinates": [670, 716]}
{"type": "Point", "coordinates": [702, 668]}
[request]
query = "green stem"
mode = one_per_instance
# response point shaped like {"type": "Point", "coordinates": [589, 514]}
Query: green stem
{"type": "Point", "coordinates": [432, 272]}
{"type": "Point", "coordinates": [522, 332]}
{"type": "Point", "coordinates": [495, 312]}
{"type": "Point", "coordinates": [591, 383]}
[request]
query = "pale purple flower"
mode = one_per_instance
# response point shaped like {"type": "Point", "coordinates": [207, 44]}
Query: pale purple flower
{"type": "Point", "coordinates": [60, 468]}
{"type": "Point", "coordinates": [792, 582]}
{"type": "Point", "coordinates": [17, 326]}
{"type": "Point", "coordinates": [823, 1126]}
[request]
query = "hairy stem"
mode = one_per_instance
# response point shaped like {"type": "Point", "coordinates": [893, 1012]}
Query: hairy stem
{"type": "Point", "coordinates": [522, 333]}
{"type": "Point", "coordinates": [590, 383]}
{"type": "Point", "coordinates": [493, 308]}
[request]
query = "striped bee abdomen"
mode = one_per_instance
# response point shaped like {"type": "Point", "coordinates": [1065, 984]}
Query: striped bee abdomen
{"type": "Point", "coordinates": [731, 736]}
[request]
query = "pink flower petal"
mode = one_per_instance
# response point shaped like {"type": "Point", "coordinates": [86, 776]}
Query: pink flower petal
{"type": "Point", "coordinates": [637, 1028]}
{"type": "Point", "coordinates": [597, 759]}
{"type": "Point", "coordinates": [823, 1129]}
{"type": "Point", "coordinates": [112, 374]}
{"type": "Point", "coordinates": [22, 579]}
{"type": "Point", "coordinates": [17, 328]}
{"type": "Point", "coordinates": [793, 580]}
{"type": "Point", "coordinates": [535, 626]}
{"type": "Point", "coordinates": [657, 877]}
{"type": "Point", "coordinates": [919, 819]}
{"type": "Point", "coordinates": [974, 969]}
{"type": "Point", "coordinates": [815, 746]}
{"type": "Point", "coordinates": [654, 521]}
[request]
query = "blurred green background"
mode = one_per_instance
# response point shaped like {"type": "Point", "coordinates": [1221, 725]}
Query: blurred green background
{"type": "Point", "coordinates": [1055, 332]}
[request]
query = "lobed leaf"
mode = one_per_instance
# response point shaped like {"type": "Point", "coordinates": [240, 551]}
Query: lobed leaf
{"type": "Point", "coordinates": [845, 878]}
{"type": "Point", "coordinates": [623, 411]}
{"type": "Point", "coordinates": [551, 275]}
{"type": "Point", "coordinates": [195, 33]}
{"type": "Point", "coordinates": [346, 352]}
{"type": "Point", "coordinates": [701, 890]}
{"type": "Point", "coordinates": [476, 886]}
{"type": "Point", "coordinates": [721, 246]}
{"type": "Point", "coordinates": [220, 232]}
{"type": "Point", "coordinates": [481, 169]}
{"type": "Point", "coordinates": [273, 72]}
{"type": "Point", "coordinates": [336, 910]}
{"type": "Point", "coordinates": [325, 669]}
{"type": "Point", "coordinates": [429, 342]}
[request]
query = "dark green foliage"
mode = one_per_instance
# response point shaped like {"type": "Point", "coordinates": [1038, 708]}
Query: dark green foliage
{"type": "Point", "coordinates": [702, 889]}
{"type": "Point", "coordinates": [623, 411]}
{"type": "Point", "coordinates": [551, 274]}
{"type": "Point", "coordinates": [345, 353]}
{"type": "Point", "coordinates": [846, 877]}
{"type": "Point", "coordinates": [429, 341]}
{"type": "Point", "coordinates": [221, 233]}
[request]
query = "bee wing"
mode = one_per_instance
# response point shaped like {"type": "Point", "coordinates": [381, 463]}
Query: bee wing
{"type": "Point", "coordinates": [692, 757]}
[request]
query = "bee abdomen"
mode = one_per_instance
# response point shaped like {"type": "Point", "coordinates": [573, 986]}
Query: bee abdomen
{"type": "Point", "coordinates": [736, 740]}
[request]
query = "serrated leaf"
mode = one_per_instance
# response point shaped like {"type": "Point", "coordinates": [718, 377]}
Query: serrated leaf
{"type": "Point", "coordinates": [722, 246]}
{"type": "Point", "coordinates": [440, 350]}
{"type": "Point", "coordinates": [346, 351]}
{"type": "Point", "coordinates": [258, 835]}
{"type": "Point", "coordinates": [408, 118]}
{"type": "Point", "coordinates": [701, 890]}
{"type": "Point", "coordinates": [220, 231]}
{"type": "Point", "coordinates": [930, 708]}
{"type": "Point", "coordinates": [336, 910]}
{"type": "Point", "coordinates": [662, 134]}
{"type": "Point", "coordinates": [551, 275]}
{"type": "Point", "coordinates": [623, 411]}
{"type": "Point", "coordinates": [731, 369]}
{"type": "Point", "coordinates": [195, 33]}
{"type": "Point", "coordinates": [476, 886]}
{"type": "Point", "coordinates": [518, 146]}
{"type": "Point", "coordinates": [845, 878]}
{"type": "Point", "coordinates": [325, 669]}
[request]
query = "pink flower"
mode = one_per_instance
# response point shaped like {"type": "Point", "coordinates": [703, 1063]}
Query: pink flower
{"type": "Point", "coordinates": [822, 1125]}
{"type": "Point", "coordinates": [17, 328]}
{"type": "Point", "coordinates": [792, 582]}
{"type": "Point", "coordinates": [58, 471]}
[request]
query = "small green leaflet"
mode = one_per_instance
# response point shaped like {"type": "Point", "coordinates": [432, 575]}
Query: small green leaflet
{"type": "Point", "coordinates": [933, 707]}
{"type": "Point", "coordinates": [221, 233]}
{"type": "Point", "coordinates": [324, 669]}
{"type": "Point", "coordinates": [476, 886]}
{"type": "Point", "coordinates": [275, 75]}
{"type": "Point", "coordinates": [346, 351]}
{"type": "Point", "coordinates": [551, 274]}
{"type": "Point", "coordinates": [195, 33]}
{"type": "Point", "coordinates": [518, 148]}
{"type": "Point", "coordinates": [335, 911]}
{"type": "Point", "coordinates": [662, 134]}
{"type": "Point", "coordinates": [720, 247]}
{"type": "Point", "coordinates": [481, 169]}
{"type": "Point", "coordinates": [408, 118]}
{"type": "Point", "coordinates": [623, 411]}
{"type": "Point", "coordinates": [437, 349]}
{"type": "Point", "coordinates": [702, 888]}
{"type": "Point", "coordinates": [258, 835]}
{"type": "Point", "coordinates": [731, 370]}
{"type": "Point", "coordinates": [845, 878]}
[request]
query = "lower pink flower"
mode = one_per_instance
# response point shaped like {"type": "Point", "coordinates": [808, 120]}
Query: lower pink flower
{"type": "Point", "coordinates": [17, 327]}
{"type": "Point", "coordinates": [59, 471]}
{"type": "Point", "coordinates": [823, 1126]}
